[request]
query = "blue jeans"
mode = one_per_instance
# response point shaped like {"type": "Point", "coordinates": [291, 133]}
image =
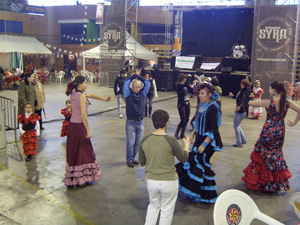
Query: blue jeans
{"type": "Point", "coordinates": [240, 137]}
{"type": "Point", "coordinates": [119, 102]}
{"type": "Point", "coordinates": [134, 134]}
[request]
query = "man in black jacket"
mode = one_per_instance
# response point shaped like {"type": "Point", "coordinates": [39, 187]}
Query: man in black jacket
{"type": "Point", "coordinates": [118, 89]}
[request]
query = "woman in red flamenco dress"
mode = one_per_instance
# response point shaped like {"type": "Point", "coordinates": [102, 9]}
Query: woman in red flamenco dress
{"type": "Point", "coordinates": [268, 170]}
{"type": "Point", "coordinates": [29, 127]}
{"type": "Point", "coordinates": [67, 112]}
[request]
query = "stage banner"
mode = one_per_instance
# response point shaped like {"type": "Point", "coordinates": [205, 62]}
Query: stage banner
{"type": "Point", "coordinates": [112, 43]}
{"type": "Point", "coordinates": [112, 30]}
{"type": "Point", "coordinates": [184, 62]}
{"type": "Point", "coordinates": [100, 13]}
{"type": "Point", "coordinates": [273, 43]}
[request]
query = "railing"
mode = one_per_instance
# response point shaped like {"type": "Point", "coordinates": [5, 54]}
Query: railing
{"type": "Point", "coordinates": [10, 115]}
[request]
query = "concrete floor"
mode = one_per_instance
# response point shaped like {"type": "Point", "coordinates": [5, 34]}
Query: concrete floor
{"type": "Point", "coordinates": [33, 192]}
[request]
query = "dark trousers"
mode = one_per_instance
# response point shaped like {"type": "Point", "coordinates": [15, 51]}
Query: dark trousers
{"type": "Point", "coordinates": [149, 99]}
{"type": "Point", "coordinates": [184, 113]}
{"type": "Point", "coordinates": [39, 112]}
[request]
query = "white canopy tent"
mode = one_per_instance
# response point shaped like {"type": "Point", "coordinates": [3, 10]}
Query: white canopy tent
{"type": "Point", "coordinates": [133, 49]}
{"type": "Point", "coordinates": [18, 44]}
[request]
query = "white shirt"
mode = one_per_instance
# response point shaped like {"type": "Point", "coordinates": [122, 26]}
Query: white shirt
{"type": "Point", "coordinates": [37, 126]}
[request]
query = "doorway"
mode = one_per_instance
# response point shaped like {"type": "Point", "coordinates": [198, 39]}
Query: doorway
{"type": "Point", "coordinates": [69, 64]}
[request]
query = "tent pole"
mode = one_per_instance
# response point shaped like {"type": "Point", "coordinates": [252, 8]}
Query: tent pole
{"type": "Point", "coordinates": [83, 64]}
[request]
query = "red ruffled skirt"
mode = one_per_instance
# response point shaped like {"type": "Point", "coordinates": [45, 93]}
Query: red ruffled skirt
{"type": "Point", "coordinates": [258, 177]}
{"type": "Point", "coordinates": [64, 129]}
{"type": "Point", "coordinates": [29, 142]}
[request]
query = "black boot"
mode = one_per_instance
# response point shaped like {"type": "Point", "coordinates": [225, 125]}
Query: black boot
{"type": "Point", "coordinates": [177, 132]}
{"type": "Point", "coordinates": [182, 135]}
{"type": "Point", "coordinates": [28, 158]}
{"type": "Point", "coordinates": [150, 111]}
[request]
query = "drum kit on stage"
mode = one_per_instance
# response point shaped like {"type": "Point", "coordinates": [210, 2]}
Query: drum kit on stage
{"type": "Point", "coordinates": [239, 52]}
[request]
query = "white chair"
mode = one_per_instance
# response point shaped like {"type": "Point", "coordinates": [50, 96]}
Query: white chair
{"type": "Point", "coordinates": [293, 201]}
{"type": "Point", "coordinates": [82, 73]}
{"type": "Point", "coordinates": [91, 77]}
{"type": "Point", "coordinates": [60, 76]}
{"type": "Point", "coordinates": [74, 74]}
{"type": "Point", "coordinates": [238, 208]}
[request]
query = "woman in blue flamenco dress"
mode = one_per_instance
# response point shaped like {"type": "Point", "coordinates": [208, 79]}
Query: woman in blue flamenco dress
{"type": "Point", "coordinates": [196, 178]}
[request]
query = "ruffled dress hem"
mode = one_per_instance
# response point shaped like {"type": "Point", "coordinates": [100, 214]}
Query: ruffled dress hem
{"type": "Point", "coordinates": [29, 142]}
{"type": "Point", "coordinates": [258, 177]}
{"type": "Point", "coordinates": [64, 129]}
{"type": "Point", "coordinates": [79, 175]}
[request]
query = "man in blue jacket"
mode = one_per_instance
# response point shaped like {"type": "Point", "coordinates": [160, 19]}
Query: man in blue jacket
{"type": "Point", "coordinates": [135, 92]}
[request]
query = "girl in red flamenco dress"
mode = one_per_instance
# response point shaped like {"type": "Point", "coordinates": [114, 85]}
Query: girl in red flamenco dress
{"type": "Point", "coordinates": [67, 112]}
{"type": "Point", "coordinates": [29, 127]}
{"type": "Point", "coordinates": [268, 170]}
{"type": "Point", "coordinates": [257, 92]}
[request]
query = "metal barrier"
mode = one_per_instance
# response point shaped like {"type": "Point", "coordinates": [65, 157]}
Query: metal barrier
{"type": "Point", "coordinates": [2, 129]}
{"type": "Point", "coordinates": [10, 115]}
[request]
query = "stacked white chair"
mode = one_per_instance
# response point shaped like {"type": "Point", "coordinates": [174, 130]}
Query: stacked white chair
{"type": "Point", "coordinates": [82, 73]}
{"type": "Point", "coordinates": [74, 74]}
{"type": "Point", "coordinates": [60, 76]}
{"type": "Point", "coordinates": [236, 207]}
{"type": "Point", "coordinates": [91, 76]}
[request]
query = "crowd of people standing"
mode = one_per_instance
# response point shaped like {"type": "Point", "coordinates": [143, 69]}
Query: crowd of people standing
{"type": "Point", "coordinates": [268, 171]}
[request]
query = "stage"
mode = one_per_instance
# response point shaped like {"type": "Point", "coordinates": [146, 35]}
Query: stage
{"type": "Point", "coordinates": [229, 82]}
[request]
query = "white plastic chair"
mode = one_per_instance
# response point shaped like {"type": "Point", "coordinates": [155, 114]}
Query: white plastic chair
{"type": "Point", "coordinates": [74, 74]}
{"type": "Point", "coordinates": [91, 76]}
{"type": "Point", "coordinates": [293, 201]}
{"type": "Point", "coordinates": [237, 207]}
{"type": "Point", "coordinates": [60, 76]}
{"type": "Point", "coordinates": [83, 73]}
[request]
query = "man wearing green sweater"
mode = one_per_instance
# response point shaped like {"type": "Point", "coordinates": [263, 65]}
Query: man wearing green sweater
{"type": "Point", "coordinates": [157, 152]}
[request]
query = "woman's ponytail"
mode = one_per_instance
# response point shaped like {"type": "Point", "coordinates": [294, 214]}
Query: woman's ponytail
{"type": "Point", "coordinates": [282, 101]}
{"type": "Point", "coordinates": [280, 89]}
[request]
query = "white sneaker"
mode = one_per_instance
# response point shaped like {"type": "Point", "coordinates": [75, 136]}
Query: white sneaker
{"type": "Point", "coordinates": [120, 115]}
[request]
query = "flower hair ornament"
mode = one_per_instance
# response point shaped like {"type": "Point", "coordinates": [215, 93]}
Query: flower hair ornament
{"type": "Point", "coordinates": [215, 96]}
{"type": "Point", "coordinates": [71, 86]}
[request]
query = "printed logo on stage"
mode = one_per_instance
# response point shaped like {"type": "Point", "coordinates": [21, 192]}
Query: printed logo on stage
{"type": "Point", "coordinates": [114, 35]}
{"type": "Point", "coordinates": [233, 215]}
{"type": "Point", "coordinates": [274, 33]}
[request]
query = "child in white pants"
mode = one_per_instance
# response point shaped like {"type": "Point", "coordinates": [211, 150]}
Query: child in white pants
{"type": "Point", "coordinates": [157, 152]}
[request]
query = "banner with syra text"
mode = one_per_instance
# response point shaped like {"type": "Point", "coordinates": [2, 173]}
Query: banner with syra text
{"type": "Point", "coordinates": [273, 44]}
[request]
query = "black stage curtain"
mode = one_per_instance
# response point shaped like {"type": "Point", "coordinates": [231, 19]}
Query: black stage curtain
{"type": "Point", "coordinates": [212, 33]}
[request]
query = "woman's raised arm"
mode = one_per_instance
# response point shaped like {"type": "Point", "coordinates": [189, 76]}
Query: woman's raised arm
{"type": "Point", "coordinates": [296, 108]}
{"type": "Point", "coordinates": [260, 103]}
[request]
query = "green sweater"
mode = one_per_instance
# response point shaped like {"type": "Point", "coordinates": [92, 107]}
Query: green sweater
{"type": "Point", "coordinates": [157, 153]}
